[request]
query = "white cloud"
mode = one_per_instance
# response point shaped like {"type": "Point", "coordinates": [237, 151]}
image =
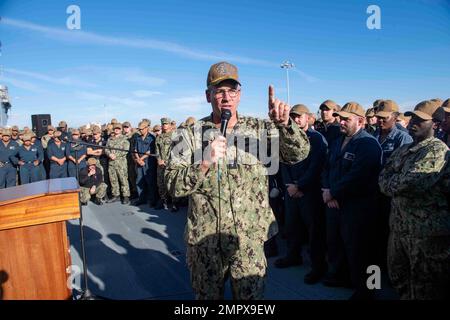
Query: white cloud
{"type": "Point", "coordinates": [145, 93]}
{"type": "Point", "coordinates": [67, 81]}
{"type": "Point", "coordinates": [193, 104]}
{"type": "Point", "coordinates": [25, 85]}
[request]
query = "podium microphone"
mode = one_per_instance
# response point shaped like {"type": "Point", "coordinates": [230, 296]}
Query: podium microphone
{"type": "Point", "coordinates": [224, 118]}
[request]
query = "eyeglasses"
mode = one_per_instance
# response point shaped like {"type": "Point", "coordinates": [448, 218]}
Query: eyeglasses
{"type": "Point", "coordinates": [220, 92]}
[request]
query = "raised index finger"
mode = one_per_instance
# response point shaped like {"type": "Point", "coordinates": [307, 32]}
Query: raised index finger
{"type": "Point", "coordinates": [271, 96]}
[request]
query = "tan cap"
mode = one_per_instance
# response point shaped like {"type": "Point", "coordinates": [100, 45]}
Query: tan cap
{"type": "Point", "coordinates": [351, 108]}
{"type": "Point", "coordinates": [26, 137]}
{"type": "Point", "coordinates": [14, 128]}
{"type": "Point", "coordinates": [50, 127]}
{"type": "Point", "coordinates": [190, 121]}
{"type": "Point", "coordinates": [220, 72]}
{"type": "Point", "coordinates": [446, 105]}
{"type": "Point", "coordinates": [370, 113]}
{"type": "Point", "coordinates": [7, 132]}
{"type": "Point", "coordinates": [114, 120]}
{"type": "Point", "coordinates": [328, 104]}
{"type": "Point", "coordinates": [91, 161]}
{"type": "Point", "coordinates": [96, 129]}
{"type": "Point", "coordinates": [386, 108]}
{"type": "Point", "coordinates": [143, 124]}
{"type": "Point", "coordinates": [427, 110]}
{"type": "Point", "coordinates": [126, 124]}
{"type": "Point", "coordinates": [299, 109]}
{"type": "Point", "coordinates": [62, 124]}
{"type": "Point", "coordinates": [403, 117]}
{"type": "Point", "coordinates": [376, 103]}
{"type": "Point", "coordinates": [117, 125]}
{"type": "Point", "coordinates": [156, 127]}
{"type": "Point", "coordinates": [437, 101]}
{"type": "Point", "coordinates": [75, 131]}
{"type": "Point", "coordinates": [57, 134]}
{"type": "Point", "coordinates": [165, 120]}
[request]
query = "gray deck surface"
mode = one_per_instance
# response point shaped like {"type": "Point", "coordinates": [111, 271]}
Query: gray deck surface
{"type": "Point", "coordinates": [139, 253]}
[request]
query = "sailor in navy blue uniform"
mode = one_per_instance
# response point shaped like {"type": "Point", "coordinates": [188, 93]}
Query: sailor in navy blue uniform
{"type": "Point", "coordinates": [29, 158]}
{"type": "Point", "coordinates": [57, 154]}
{"type": "Point", "coordinates": [81, 154]}
{"type": "Point", "coordinates": [8, 160]}
{"type": "Point", "coordinates": [350, 183]}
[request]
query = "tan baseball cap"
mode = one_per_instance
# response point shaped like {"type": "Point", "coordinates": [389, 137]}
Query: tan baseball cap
{"type": "Point", "coordinates": [329, 105]}
{"type": "Point", "coordinates": [351, 108]}
{"type": "Point", "coordinates": [370, 113]}
{"type": "Point", "coordinates": [156, 127]}
{"type": "Point", "coordinates": [222, 71]}
{"type": "Point", "coordinates": [50, 128]}
{"type": "Point", "coordinates": [114, 120]}
{"type": "Point", "coordinates": [91, 161]}
{"type": "Point", "coordinates": [126, 124]}
{"type": "Point", "coordinates": [117, 126]}
{"type": "Point", "coordinates": [143, 125]}
{"type": "Point", "coordinates": [190, 121]}
{"type": "Point", "coordinates": [57, 134]}
{"type": "Point", "coordinates": [386, 108]}
{"type": "Point", "coordinates": [62, 124]}
{"type": "Point", "coordinates": [96, 130]}
{"type": "Point", "coordinates": [427, 110]}
{"type": "Point", "coordinates": [15, 128]}
{"type": "Point", "coordinates": [6, 132]}
{"type": "Point", "coordinates": [299, 109]}
{"type": "Point", "coordinates": [446, 105]}
{"type": "Point", "coordinates": [403, 117]}
{"type": "Point", "coordinates": [26, 137]}
{"type": "Point", "coordinates": [75, 131]}
{"type": "Point", "coordinates": [437, 101]}
{"type": "Point", "coordinates": [376, 103]}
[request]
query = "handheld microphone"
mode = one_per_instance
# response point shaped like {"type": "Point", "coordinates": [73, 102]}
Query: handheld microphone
{"type": "Point", "coordinates": [224, 118]}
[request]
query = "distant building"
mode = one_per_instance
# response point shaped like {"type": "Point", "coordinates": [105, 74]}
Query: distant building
{"type": "Point", "coordinates": [5, 105]}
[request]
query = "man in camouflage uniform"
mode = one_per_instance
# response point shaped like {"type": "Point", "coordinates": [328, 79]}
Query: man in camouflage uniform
{"type": "Point", "coordinates": [229, 217]}
{"type": "Point", "coordinates": [117, 167]}
{"type": "Point", "coordinates": [131, 136]}
{"type": "Point", "coordinates": [419, 241]}
{"type": "Point", "coordinates": [163, 142]}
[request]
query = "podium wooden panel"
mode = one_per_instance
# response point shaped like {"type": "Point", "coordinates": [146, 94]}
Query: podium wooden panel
{"type": "Point", "coordinates": [34, 248]}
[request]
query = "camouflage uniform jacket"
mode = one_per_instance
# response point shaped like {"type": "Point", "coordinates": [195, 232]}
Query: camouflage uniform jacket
{"type": "Point", "coordinates": [120, 143]}
{"type": "Point", "coordinates": [163, 142]}
{"type": "Point", "coordinates": [244, 201]}
{"type": "Point", "coordinates": [45, 139]}
{"type": "Point", "coordinates": [413, 177]}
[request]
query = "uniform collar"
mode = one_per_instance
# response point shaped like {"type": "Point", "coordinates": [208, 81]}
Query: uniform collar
{"type": "Point", "coordinates": [420, 145]}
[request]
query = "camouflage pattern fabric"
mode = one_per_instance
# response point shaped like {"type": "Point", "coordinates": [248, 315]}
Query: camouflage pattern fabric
{"type": "Point", "coordinates": [118, 168]}
{"type": "Point", "coordinates": [419, 242]}
{"type": "Point", "coordinates": [163, 143]}
{"type": "Point", "coordinates": [100, 193]}
{"type": "Point", "coordinates": [245, 213]}
{"type": "Point", "coordinates": [44, 140]}
{"type": "Point", "coordinates": [130, 164]}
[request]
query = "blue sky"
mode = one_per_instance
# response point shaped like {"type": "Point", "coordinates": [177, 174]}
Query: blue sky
{"type": "Point", "coordinates": [150, 58]}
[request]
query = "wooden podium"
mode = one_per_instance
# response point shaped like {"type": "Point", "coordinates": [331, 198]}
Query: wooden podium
{"type": "Point", "coordinates": [34, 248]}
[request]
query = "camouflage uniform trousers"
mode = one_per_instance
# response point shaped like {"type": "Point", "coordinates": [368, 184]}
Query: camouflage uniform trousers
{"type": "Point", "coordinates": [162, 189]}
{"type": "Point", "coordinates": [100, 193]}
{"type": "Point", "coordinates": [210, 268]}
{"type": "Point", "coordinates": [118, 172]}
{"type": "Point", "coordinates": [419, 268]}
